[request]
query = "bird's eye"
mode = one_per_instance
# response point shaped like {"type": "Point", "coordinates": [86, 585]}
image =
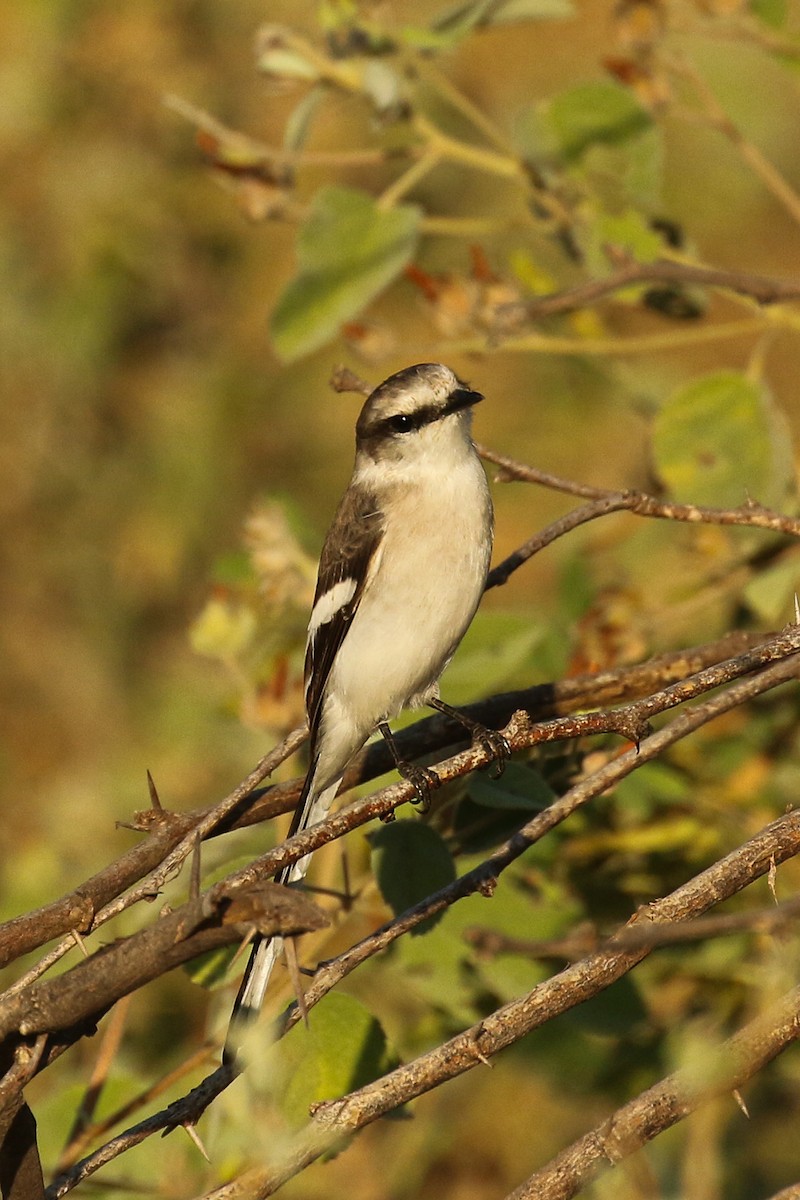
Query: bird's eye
{"type": "Point", "coordinates": [401, 423]}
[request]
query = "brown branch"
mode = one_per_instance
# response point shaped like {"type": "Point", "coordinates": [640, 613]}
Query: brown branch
{"type": "Point", "coordinates": [563, 696]}
{"type": "Point", "coordinates": [181, 1112]}
{"type": "Point", "coordinates": [628, 721]}
{"type": "Point", "coordinates": [92, 1133]}
{"type": "Point", "coordinates": [602, 502]}
{"type": "Point", "coordinates": [764, 289]}
{"type": "Point", "coordinates": [484, 878]}
{"type": "Point", "coordinates": [331, 1120]}
{"type": "Point", "coordinates": [88, 906]}
{"type": "Point", "coordinates": [215, 919]}
{"type": "Point", "coordinates": [171, 840]}
{"type": "Point", "coordinates": [725, 1068]}
{"type": "Point", "coordinates": [86, 991]}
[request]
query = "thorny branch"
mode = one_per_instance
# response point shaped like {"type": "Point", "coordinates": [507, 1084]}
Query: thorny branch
{"type": "Point", "coordinates": [58, 1013]}
{"type": "Point", "coordinates": [575, 984]}
{"type": "Point", "coordinates": [726, 1067]}
{"type": "Point", "coordinates": [782, 840]}
{"type": "Point", "coordinates": [171, 836]}
{"type": "Point", "coordinates": [601, 502]}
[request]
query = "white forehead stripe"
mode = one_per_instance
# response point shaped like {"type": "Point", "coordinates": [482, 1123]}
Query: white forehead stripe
{"type": "Point", "coordinates": [330, 603]}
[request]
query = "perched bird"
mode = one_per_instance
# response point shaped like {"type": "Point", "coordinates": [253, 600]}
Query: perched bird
{"type": "Point", "coordinates": [402, 570]}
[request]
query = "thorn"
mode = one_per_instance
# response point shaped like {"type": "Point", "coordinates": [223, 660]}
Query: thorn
{"type": "Point", "coordinates": [796, 609]}
{"type": "Point", "coordinates": [194, 1136]}
{"type": "Point", "coordinates": [290, 950]}
{"type": "Point", "coordinates": [79, 942]}
{"type": "Point", "coordinates": [481, 1057]}
{"type": "Point", "coordinates": [772, 875]}
{"type": "Point", "coordinates": [739, 1098]}
{"type": "Point", "coordinates": [155, 801]}
{"type": "Point", "coordinates": [245, 942]}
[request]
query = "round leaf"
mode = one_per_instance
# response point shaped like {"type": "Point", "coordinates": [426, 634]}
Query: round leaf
{"type": "Point", "coordinates": [718, 441]}
{"type": "Point", "coordinates": [410, 860]}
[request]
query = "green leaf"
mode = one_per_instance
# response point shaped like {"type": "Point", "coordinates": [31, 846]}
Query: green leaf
{"type": "Point", "coordinates": [529, 10]}
{"type": "Point", "coordinates": [719, 441]}
{"type": "Point", "coordinates": [600, 112]}
{"type": "Point", "coordinates": [629, 231]}
{"type": "Point", "coordinates": [410, 860]}
{"type": "Point", "coordinates": [343, 1047]}
{"type": "Point", "coordinates": [627, 171]}
{"type": "Point", "coordinates": [455, 24]}
{"type": "Point", "coordinates": [519, 787]}
{"type": "Point", "coordinates": [466, 17]}
{"type": "Point", "coordinates": [349, 250]}
{"type": "Point", "coordinates": [299, 121]}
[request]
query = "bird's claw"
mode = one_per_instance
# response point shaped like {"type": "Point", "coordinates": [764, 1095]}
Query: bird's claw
{"type": "Point", "coordinates": [494, 743]}
{"type": "Point", "coordinates": [422, 780]}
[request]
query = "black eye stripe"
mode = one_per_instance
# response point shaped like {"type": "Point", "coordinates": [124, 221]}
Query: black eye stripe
{"type": "Point", "coordinates": [407, 422]}
{"type": "Point", "coordinates": [401, 423]}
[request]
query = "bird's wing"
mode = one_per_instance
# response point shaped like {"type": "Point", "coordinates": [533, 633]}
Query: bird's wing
{"type": "Point", "coordinates": [348, 559]}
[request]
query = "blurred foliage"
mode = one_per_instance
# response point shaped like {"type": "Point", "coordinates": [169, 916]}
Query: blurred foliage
{"type": "Point", "coordinates": [395, 183]}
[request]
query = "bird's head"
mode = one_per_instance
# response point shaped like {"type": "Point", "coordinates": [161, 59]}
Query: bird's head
{"type": "Point", "coordinates": [421, 413]}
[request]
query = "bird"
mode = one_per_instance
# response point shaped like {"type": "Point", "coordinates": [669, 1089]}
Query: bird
{"type": "Point", "coordinates": [401, 573]}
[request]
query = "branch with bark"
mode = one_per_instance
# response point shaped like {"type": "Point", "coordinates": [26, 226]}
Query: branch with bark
{"type": "Point", "coordinates": [742, 678]}
{"type": "Point", "coordinates": [41, 1019]}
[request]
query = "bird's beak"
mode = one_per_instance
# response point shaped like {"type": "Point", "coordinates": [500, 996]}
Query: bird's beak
{"type": "Point", "coordinates": [462, 398]}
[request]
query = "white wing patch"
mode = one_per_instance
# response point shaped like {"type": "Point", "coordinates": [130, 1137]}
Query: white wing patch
{"type": "Point", "coordinates": [329, 604]}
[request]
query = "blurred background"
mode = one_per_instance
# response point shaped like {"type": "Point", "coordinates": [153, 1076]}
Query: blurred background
{"type": "Point", "coordinates": [145, 415]}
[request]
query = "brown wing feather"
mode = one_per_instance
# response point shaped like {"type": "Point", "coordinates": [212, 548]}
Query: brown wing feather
{"type": "Point", "coordinates": [353, 538]}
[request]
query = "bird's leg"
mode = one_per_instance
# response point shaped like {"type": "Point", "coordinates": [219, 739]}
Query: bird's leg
{"type": "Point", "coordinates": [422, 779]}
{"type": "Point", "coordinates": [491, 740]}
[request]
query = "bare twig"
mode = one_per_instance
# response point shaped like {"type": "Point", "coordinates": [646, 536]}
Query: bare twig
{"type": "Point", "coordinates": [171, 841]}
{"type": "Point", "coordinates": [602, 502]}
{"type": "Point", "coordinates": [80, 907]}
{"type": "Point", "coordinates": [180, 1112]}
{"type": "Point", "coordinates": [217, 918]}
{"type": "Point", "coordinates": [331, 1120]}
{"type": "Point", "coordinates": [764, 289]}
{"type": "Point", "coordinates": [93, 1132]}
{"type": "Point", "coordinates": [109, 1046]}
{"type": "Point", "coordinates": [628, 720]}
{"type": "Point", "coordinates": [725, 1068]}
{"type": "Point", "coordinates": [484, 878]}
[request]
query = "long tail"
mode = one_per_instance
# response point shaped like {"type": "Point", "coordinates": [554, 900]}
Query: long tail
{"type": "Point", "coordinates": [311, 808]}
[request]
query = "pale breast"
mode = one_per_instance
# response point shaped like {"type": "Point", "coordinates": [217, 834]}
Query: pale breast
{"type": "Point", "coordinates": [428, 581]}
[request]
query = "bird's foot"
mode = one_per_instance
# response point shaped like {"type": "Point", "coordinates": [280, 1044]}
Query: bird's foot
{"type": "Point", "coordinates": [492, 742]}
{"type": "Point", "coordinates": [423, 780]}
